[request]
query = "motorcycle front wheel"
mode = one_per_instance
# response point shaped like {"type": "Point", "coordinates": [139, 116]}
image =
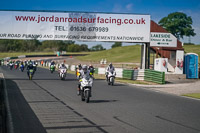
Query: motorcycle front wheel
{"type": "Point", "coordinates": [82, 96]}
{"type": "Point", "coordinates": [30, 77]}
{"type": "Point", "coordinates": [87, 96]}
{"type": "Point", "coordinates": [108, 81]}
{"type": "Point", "coordinates": [112, 81]}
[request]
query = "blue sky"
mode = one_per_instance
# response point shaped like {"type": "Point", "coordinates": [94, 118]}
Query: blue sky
{"type": "Point", "coordinates": [156, 8]}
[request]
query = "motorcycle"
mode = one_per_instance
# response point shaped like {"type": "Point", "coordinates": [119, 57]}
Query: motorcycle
{"type": "Point", "coordinates": [63, 74]}
{"type": "Point", "coordinates": [30, 74]}
{"type": "Point", "coordinates": [22, 68]}
{"type": "Point", "coordinates": [11, 66]}
{"type": "Point", "coordinates": [52, 68]}
{"type": "Point", "coordinates": [111, 78]}
{"type": "Point", "coordinates": [85, 88]}
{"type": "Point", "coordinates": [16, 65]}
{"type": "Point", "coordinates": [7, 64]}
{"type": "Point", "coordinates": [77, 73]}
{"type": "Point", "coordinates": [34, 67]}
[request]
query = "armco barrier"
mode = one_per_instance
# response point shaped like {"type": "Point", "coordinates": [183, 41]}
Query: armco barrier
{"type": "Point", "coordinates": [22, 56]}
{"type": "Point", "coordinates": [154, 76]}
{"type": "Point", "coordinates": [101, 70]}
{"type": "Point", "coordinates": [128, 74]}
{"type": "Point", "coordinates": [119, 72]}
{"type": "Point", "coordinates": [72, 68]}
{"type": "Point", "coordinates": [67, 66]}
{"type": "Point", "coordinates": [138, 74]}
{"type": "Point", "coordinates": [96, 71]}
{"type": "Point", "coordinates": [13, 57]}
{"type": "Point", "coordinates": [7, 58]}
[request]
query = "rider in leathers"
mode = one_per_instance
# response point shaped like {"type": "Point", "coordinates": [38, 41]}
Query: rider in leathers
{"type": "Point", "coordinates": [110, 68]}
{"type": "Point", "coordinates": [29, 67]}
{"type": "Point", "coordinates": [82, 74]}
{"type": "Point", "coordinates": [62, 66]}
{"type": "Point", "coordinates": [91, 69]}
{"type": "Point", "coordinates": [52, 64]}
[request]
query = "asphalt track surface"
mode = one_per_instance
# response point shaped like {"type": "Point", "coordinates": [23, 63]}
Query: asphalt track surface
{"type": "Point", "coordinates": [47, 104]}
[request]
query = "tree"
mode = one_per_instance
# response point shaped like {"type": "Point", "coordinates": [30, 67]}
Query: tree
{"type": "Point", "coordinates": [74, 48]}
{"type": "Point", "coordinates": [97, 47]}
{"type": "Point", "coordinates": [84, 47]}
{"type": "Point", "coordinates": [179, 24]}
{"type": "Point", "coordinates": [117, 44]}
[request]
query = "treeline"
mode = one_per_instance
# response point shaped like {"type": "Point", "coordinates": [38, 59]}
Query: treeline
{"type": "Point", "coordinates": [46, 46]}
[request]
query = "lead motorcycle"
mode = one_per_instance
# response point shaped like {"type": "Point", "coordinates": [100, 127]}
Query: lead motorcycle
{"type": "Point", "coordinates": [85, 88]}
{"type": "Point", "coordinates": [111, 77]}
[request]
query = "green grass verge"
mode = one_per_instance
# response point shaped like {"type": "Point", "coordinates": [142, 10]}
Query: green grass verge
{"type": "Point", "coordinates": [193, 95]}
{"type": "Point", "coordinates": [15, 54]}
{"type": "Point", "coordinates": [119, 54]}
{"type": "Point", "coordinates": [128, 54]}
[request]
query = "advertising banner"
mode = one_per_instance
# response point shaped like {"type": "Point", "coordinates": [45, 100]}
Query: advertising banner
{"type": "Point", "coordinates": [78, 26]}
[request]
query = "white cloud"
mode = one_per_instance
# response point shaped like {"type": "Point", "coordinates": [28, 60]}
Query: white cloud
{"type": "Point", "coordinates": [122, 8]}
{"type": "Point", "coordinates": [117, 8]}
{"type": "Point", "coordinates": [129, 7]}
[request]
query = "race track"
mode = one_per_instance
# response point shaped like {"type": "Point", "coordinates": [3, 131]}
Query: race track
{"type": "Point", "coordinates": [47, 104]}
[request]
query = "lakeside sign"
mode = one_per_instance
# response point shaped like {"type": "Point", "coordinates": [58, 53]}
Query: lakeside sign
{"type": "Point", "coordinates": [78, 26]}
{"type": "Point", "coordinates": [159, 39]}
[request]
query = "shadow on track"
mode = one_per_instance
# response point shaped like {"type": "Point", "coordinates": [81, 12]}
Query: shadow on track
{"type": "Point", "coordinates": [41, 79]}
{"type": "Point", "coordinates": [102, 101]}
{"type": "Point", "coordinates": [22, 114]}
{"type": "Point", "coordinates": [118, 84]}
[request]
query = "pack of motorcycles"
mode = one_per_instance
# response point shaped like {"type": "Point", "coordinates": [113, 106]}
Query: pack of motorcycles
{"type": "Point", "coordinates": [86, 83]}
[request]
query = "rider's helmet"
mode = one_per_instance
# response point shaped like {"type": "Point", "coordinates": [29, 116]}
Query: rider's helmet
{"type": "Point", "coordinates": [110, 65]}
{"type": "Point", "coordinates": [85, 68]}
{"type": "Point", "coordinates": [79, 66]}
{"type": "Point", "coordinates": [31, 63]}
{"type": "Point", "coordinates": [63, 65]}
